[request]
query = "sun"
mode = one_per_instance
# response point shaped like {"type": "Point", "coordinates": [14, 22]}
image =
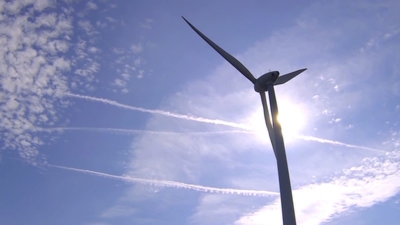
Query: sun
{"type": "Point", "coordinates": [292, 117]}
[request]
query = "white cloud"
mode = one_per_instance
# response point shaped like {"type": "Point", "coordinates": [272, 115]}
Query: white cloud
{"type": "Point", "coordinates": [80, 48]}
{"type": "Point", "coordinates": [47, 20]}
{"type": "Point", "coordinates": [147, 24]}
{"type": "Point", "coordinates": [35, 49]}
{"type": "Point", "coordinates": [118, 51]}
{"type": "Point", "coordinates": [88, 69]}
{"type": "Point", "coordinates": [30, 79]}
{"type": "Point", "coordinates": [137, 48]}
{"type": "Point", "coordinates": [93, 50]}
{"type": "Point", "coordinates": [119, 211]}
{"type": "Point", "coordinates": [126, 76]}
{"type": "Point", "coordinates": [141, 74]}
{"type": "Point", "coordinates": [111, 20]}
{"type": "Point", "coordinates": [87, 26]}
{"type": "Point", "coordinates": [138, 61]}
{"type": "Point", "coordinates": [91, 6]}
{"type": "Point", "coordinates": [125, 66]}
{"type": "Point", "coordinates": [40, 5]}
{"type": "Point", "coordinates": [119, 82]}
{"type": "Point", "coordinates": [220, 209]}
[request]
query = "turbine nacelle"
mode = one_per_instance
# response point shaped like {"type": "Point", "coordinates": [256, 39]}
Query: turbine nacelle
{"type": "Point", "coordinates": [261, 84]}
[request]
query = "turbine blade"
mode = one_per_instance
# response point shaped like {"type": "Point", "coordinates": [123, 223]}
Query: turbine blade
{"type": "Point", "coordinates": [268, 120]}
{"type": "Point", "coordinates": [285, 78]}
{"type": "Point", "coordinates": [232, 60]}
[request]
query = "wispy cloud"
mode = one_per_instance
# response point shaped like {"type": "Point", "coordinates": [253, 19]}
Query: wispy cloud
{"type": "Point", "coordinates": [355, 187]}
{"type": "Point", "coordinates": [173, 184]}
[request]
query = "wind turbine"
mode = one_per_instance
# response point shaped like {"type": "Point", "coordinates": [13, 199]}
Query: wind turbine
{"type": "Point", "coordinates": [266, 83]}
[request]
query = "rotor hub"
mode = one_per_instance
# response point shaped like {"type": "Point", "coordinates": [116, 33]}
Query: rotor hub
{"type": "Point", "coordinates": [261, 85]}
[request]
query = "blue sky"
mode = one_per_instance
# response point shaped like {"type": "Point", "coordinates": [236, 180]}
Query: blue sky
{"type": "Point", "coordinates": [116, 112]}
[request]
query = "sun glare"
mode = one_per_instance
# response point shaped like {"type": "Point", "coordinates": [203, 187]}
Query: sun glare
{"type": "Point", "coordinates": [292, 118]}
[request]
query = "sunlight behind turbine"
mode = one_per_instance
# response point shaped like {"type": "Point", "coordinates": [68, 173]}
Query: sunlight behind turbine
{"type": "Point", "coordinates": [292, 117]}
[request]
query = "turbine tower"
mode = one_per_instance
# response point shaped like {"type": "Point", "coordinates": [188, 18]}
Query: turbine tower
{"type": "Point", "coordinates": [266, 83]}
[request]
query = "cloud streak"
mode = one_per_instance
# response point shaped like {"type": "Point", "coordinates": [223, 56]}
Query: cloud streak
{"type": "Point", "coordinates": [160, 112]}
{"type": "Point", "coordinates": [172, 184]}
{"type": "Point", "coordinates": [202, 120]}
{"type": "Point", "coordinates": [135, 131]}
{"type": "Point", "coordinates": [338, 143]}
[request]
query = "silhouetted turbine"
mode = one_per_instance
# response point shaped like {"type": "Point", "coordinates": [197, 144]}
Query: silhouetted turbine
{"type": "Point", "coordinates": [265, 83]}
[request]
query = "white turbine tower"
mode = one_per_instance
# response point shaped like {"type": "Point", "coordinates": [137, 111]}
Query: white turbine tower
{"type": "Point", "coordinates": [265, 83]}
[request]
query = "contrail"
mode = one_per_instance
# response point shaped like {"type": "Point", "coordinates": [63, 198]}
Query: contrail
{"type": "Point", "coordinates": [211, 121]}
{"type": "Point", "coordinates": [321, 140]}
{"type": "Point", "coordinates": [173, 184]}
{"type": "Point", "coordinates": [159, 112]}
{"type": "Point", "coordinates": [135, 131]}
